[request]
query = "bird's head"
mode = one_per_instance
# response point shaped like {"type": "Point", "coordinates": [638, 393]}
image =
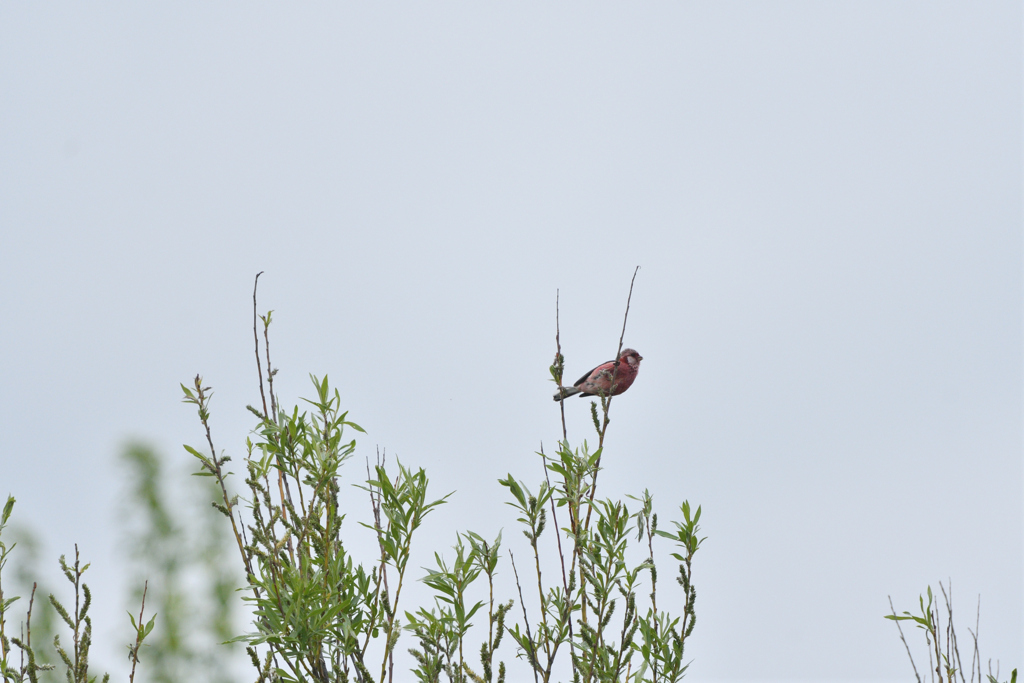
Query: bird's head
{"type": "Point", "coordinates": [631, 357]}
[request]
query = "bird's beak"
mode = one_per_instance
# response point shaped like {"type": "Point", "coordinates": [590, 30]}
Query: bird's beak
{"type": "Point", "coordinates": [639, 357]}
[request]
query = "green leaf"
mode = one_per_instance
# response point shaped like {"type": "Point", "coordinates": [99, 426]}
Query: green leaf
{"type": "Point", "coordinates": [149, 626]}
{"type": "Point", "coordinates": [8, 506]}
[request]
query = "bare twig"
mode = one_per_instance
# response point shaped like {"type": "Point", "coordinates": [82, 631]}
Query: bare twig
{"type": "Point", "coordinates": [937, 628]}
{"type": "Point", "coordinates": [28, 617]}
{"type": "Point", "coordinates": [270, 368]}
{"type": "Point", "coordinates": [375, 504]}
{"type": "Point", "coordinates": [560, 361]}
{"type": "Point", "coordinates": [606, 402]}
{"type": "Point", "coordinates": [626, 316]}
{"type": "Point", "coordinates": [28, 640]}
{"type": "Point", "coordinates": [78, 582]}
{"type": "Point", "coordinates": [543, 603]}
{"type": "Point", "coordinates": [283, 487]}
{"type": "Point", "coordinates": [138, 633]}
{"type": "Point", "coordinates": [558, 535]}
{"type": "Point", "coordinates": [382, 576]}
{"type": "Point", "coordinates": [607, 405]}
{"type": "Point", "coordinates": [916, 675]}
{"type": "Point", "coordinates": [977, 653]}
{"type": "Point", "coordinates": [531, 654]}
{"type": "Point", "coordinates": [952, 647]}
{"type": "Point", "coordinates": [256, 338]}
{"type": "Point", "coordinates": [229, 504]}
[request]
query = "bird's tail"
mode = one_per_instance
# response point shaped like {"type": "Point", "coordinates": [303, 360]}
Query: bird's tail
{"type": "Point", "coordinates": [566, 392]}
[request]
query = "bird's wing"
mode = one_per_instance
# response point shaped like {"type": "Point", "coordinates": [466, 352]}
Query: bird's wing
{"type": "Point", "coordinates": [583, 379]}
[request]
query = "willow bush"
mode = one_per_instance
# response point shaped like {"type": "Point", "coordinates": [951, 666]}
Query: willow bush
{"type": "Point", "coordinates": [319, 614]}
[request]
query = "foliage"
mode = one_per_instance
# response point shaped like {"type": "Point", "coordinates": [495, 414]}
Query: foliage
{"type": "Point", "coordinates": [26, 580]}
{"type": "Point", "coordinates": [598, 580]}
{"type": "Point", "coordinates": [179, 560]}
{"type": "Point", "coordinates": [942, 645]}
{"type": "Point", "coordinates": [75, 656]}
{"type": "Point", "coordinates": [319, 614]}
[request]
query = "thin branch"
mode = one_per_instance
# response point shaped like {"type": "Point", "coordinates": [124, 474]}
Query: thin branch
{"type": "Point", "coordinates": [543, 602]}
{"type": "Point", "coordinates": [936, 628]}
{"type": "Point", "coordinates": [284, 489]}
{"type": "Point", "coordinates": [382, 575]}
{"type": "Point", "coordinates": [256, 338]}
{"type": "Point", "coordinates": [138, 633]}
{"type": "Point", "coordinates": [626, 317]}
{"type": "Point", "coordinates": [951, 641]}
{"type": "Point", "coordinates": [28, 617]}
{"type": "Point", "coordinates": [229, 504]}
{"type": "Point", "coordinates": [78, 613]}
{"type": "Point", "coordinates": [977, 653]}
{"type": "Point", "coordinates": [606, 402]}
{"type": "Point", "coordinates": [376, 505]}
{"type": "Point", "coordinates": [28, 640]}
{"type": "Point", "coordinates": [532, 654]}
{"type": "Point", "coordinates": [558, 534]}
{"type": "Point", "coordinates": [559, 360]}
{"type": "Point", "coordinates": [916, 675]}
{"type": "Point", "coordinates": [270, 369]}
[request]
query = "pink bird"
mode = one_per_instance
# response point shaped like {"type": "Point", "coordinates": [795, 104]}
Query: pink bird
{"type": "Point", "coordinates": [606, 378]}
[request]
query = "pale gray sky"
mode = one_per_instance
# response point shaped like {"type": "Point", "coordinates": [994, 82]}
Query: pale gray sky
{"type": "Point", "coordinates": [824, 199]}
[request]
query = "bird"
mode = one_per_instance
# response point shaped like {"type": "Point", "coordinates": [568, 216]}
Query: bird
{"type": "Point", "coordinates": [609, 379]}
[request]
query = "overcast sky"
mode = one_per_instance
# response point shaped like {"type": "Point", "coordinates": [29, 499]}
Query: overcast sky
{"type": "Point", "coordinates": [824, 199]}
